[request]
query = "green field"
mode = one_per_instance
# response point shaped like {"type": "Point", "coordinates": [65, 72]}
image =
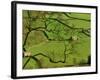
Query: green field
{"type": "Point", "coordinates": [56, 39]}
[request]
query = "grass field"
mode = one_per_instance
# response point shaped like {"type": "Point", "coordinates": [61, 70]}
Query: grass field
{"type": "Point", "coordinates": [56, 39]}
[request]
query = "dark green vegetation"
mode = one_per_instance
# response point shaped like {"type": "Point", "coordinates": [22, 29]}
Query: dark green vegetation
{"type": "Point", "coordinates": [56, 39]}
